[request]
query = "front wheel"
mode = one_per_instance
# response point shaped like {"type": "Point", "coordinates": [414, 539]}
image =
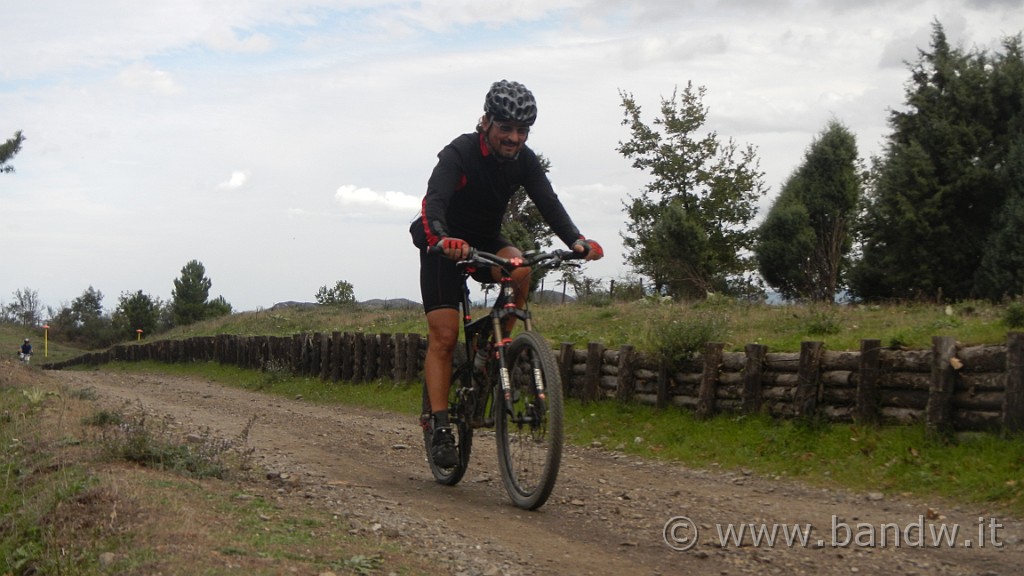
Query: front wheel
{"type": "Point", "coordinates": [528, 422]}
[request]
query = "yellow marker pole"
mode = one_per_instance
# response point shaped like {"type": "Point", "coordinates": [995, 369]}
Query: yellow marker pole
{"type": "Point", "coordinates": [46, 340]}
{"type": "Point", "coordinates": [139, 333]}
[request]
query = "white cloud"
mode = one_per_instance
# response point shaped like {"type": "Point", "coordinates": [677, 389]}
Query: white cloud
{"type": "Point", "coordinates": [356, 198]}
{"type": "Point", "coordinates": [237, 180]}
{"type": "Point", "coordinates": [230, 41]}
{"type": "Point", "coordinates": [146, 78]}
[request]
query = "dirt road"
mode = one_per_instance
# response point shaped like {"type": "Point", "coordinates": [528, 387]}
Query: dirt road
{"type": "Point", "coordinates": [610, 514]}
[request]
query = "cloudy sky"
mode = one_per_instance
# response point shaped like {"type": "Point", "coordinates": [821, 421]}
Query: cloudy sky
{"type": "Point", "coordinates": [286, 144]}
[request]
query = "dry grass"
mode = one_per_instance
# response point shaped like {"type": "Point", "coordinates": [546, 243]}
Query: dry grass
{"type": "Point", "coordinates": [781, 328]}
{"type": "Point", "coordinates": [68, 507]}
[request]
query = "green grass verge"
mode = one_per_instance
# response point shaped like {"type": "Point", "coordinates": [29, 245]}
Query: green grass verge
{"type": "Point", "coordinates": [640, 323]}
{"type": "Point", "coordinates": [976, 468]}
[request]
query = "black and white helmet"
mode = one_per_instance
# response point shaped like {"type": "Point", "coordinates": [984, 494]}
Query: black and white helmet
{"type": "Point", "coordinates": [511, 101]}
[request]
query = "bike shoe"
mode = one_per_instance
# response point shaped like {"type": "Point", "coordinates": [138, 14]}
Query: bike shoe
{"type": "Point", "coordinates": [442, 448]}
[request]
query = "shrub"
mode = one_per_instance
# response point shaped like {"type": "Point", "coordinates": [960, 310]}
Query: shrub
{"type": "Point", "coordinates": [676, 340]}
{"type": "Point", "coordinates": [822, 322]}
{"type": "Point", "coordinates": [1014, 315]}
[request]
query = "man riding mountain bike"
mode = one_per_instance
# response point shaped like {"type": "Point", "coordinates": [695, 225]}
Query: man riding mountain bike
{"type": "Point", "coordinates": [467, 195]}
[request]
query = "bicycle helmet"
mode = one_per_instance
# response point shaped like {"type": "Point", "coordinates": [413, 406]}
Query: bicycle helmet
{"type": "Point", "coordinates": [511, 101]}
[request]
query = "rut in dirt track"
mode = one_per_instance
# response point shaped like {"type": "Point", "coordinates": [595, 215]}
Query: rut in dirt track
{"type": "Point", "coordinates": [608, 513]}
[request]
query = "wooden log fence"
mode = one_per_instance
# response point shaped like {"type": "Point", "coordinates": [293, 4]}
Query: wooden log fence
{"type": "Point", "coordinates": [948, 387]}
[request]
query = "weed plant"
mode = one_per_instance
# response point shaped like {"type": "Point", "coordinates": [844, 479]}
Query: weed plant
{"type": "Point", "coordinates": [1014, 315]}
{"type": "Point", "coordinates": [136, 438]}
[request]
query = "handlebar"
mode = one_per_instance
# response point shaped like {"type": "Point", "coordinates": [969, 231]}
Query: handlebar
{"type": "Point", "coordinates": [550, 259]}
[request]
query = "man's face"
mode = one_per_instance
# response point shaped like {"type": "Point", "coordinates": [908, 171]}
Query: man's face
{"type": "Point", "coordinates": [506, 139]}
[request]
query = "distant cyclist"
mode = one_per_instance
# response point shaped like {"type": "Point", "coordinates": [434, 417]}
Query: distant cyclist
{"type": "Point", "coordinates": [467, 196]}
{"type": "Point", "coordinates": [25, 352]}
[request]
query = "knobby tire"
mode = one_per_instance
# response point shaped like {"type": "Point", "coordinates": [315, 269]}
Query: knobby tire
{"type": "Point", "coordinates": [530, 438]}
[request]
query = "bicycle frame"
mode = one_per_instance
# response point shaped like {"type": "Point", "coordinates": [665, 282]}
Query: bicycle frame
{"type": "Point", "coordinates": [489, 330]}
{"type": "Point", "coordinates": [519, 394]}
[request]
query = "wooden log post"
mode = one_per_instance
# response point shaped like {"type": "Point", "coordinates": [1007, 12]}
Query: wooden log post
{"type": "Point", "coordinates": [325, 357]}
{"type": "Point", "coordinates": [565, 362]}
{"type": "Point", "coordinates": [346, 356]}
{"type": "Point", "coordinates": [867, 411]}
{"type": "Point", "coordinates": [664, 383]}
{"type": "Point", "coordinates": [387, 356]}
{"type": "Point", "coordinates": [808, 379]}
{"type": "Point", "coordinates": [412, 369]}
{"type": "Point", "coordinates": [401, 344]}
{"type": "Point", "coordinates": [1013, 399]}
{"type": "Point", "coordinates": [939, 410]}
{"type": "Point", "coordinates": [314, 355]}
{"type": "Point", "coordinates": [709, 379]}
{"type": "Point", "coordinates": [296, 354]}
{"type": "Point", "coordinates": [753, 371]}
{"type": "Point", "coordinates": [359, 357]}
{"type": "Point", "coordinates": [592, 376]}
{"type": "Point", "coordinates": [335, 356]}
{"type": "Point", "coordinates": [371, 362]}
{"type": "Point", "coordinates": [304, 355]}
{"type": "Point", "coordinates": [626, 386]}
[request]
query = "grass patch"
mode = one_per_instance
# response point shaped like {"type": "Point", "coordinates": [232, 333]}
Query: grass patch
{"type": "Point", "coordinates": [978, 468]}
{"type": "Point", "coordinates": [780, 327]}
{"type": "Point", "coordinates": [380, 394]}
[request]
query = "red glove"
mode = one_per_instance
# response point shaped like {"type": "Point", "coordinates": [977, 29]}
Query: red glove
{"type": "Point", "coordinates": [454, 248]}
{"type": "Point", "coordinates": [591, 248]}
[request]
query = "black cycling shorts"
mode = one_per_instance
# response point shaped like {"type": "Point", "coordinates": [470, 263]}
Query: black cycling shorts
{"type": "Point", "coordinates": [440, 282]}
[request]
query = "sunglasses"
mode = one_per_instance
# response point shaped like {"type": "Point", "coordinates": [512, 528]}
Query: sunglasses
{"type": "Point", "coordinates": [506, 128]}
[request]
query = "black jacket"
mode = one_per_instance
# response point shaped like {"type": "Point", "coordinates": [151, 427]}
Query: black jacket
{"type": "Point", "coordinates": [469, 191]}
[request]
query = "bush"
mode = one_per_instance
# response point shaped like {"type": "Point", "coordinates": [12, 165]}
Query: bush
{"type": "Point", "coordinates": [343, 294]}
{"type": "Point", "coordinates": [676, 340]}
{"type": "Point", "coordinates": [822, 322]}
{"type": "Point", "coordinates": [1014, 315]}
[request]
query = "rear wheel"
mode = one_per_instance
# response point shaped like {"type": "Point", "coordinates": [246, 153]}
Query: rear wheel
{"type": "Point", "coordinates": [460, 424]}
{"type": "Point", "coordinates": [529, 435]}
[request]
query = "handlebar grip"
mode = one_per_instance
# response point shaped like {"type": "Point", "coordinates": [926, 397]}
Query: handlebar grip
{"type": "Point", "coordinates": [439, 250]}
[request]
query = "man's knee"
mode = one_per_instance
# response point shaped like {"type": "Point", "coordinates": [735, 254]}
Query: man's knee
{"type": "Point", "coordinates": [443, 339]}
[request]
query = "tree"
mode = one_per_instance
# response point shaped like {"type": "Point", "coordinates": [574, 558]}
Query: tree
{"type": "Point", "coordinates": [217, 307]}
{"type": "Point", "coordinates": [7, 151]}
{"type": "Point", "coordinates": [804, 242]}
{"type": "Point", "coordinates": [25, 309]}
{"type": "Point", "coordinates": [343, 294]}
{"type": "Point", "coordinates": [88, 307]}
{"type": "Point", "coordinates": [189, 298]}
{"type": "Point", "coordinates": [688, 229]}
{"type": "Point", "coordinates": [524, 226]}
{"type": "Point", "coordinates": [83, 321]}
{"type": "Point", "coordinates": [1001, 271]}
{"type": "Point", "coordinates": [935, 194]}
{"type": "Point", "coordinates": [784, 245]}
{"type": "Point", "coordinates": [136, 311]}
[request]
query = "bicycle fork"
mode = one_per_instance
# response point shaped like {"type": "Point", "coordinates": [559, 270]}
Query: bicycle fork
{"type": "Point", "coordinates": [534, 413]}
